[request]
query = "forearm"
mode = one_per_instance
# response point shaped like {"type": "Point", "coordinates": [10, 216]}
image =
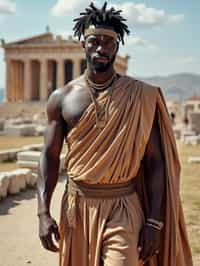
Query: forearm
{"type": "Point", "coordinates": [156, 190]}
{"type": "Point", "coordinates": [47, 180]}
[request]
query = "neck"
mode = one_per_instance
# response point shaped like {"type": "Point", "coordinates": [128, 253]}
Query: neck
{"type": "Point", "coordinates": [100, 77]}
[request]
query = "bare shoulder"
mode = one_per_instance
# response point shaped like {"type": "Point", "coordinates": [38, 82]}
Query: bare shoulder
{"type": "Point", "coordinates": [56, 97]}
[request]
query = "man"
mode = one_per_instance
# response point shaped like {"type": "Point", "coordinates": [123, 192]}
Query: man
{"type": "Point", "coordinates": [121, 206]}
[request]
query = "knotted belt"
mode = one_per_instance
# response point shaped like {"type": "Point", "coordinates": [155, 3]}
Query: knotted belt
{"type": "Point", "coordinates": [74, 190]}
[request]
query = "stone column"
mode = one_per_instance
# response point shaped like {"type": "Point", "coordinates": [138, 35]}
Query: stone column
{"type": "Point", "coordinates": [76, 68]}
{"type": "Point", "coordinates": [14, 81]}
{"type": "Point", "coordinates": [43, 80]}
{"type": "Point", "coordinates": [60, 73]}
{"type": "Point", "coordinates": [27, 80]}
{"type": "Point", "coordinates": [8, 81]}
{"type": "Point", "coordinates": [11, 81]}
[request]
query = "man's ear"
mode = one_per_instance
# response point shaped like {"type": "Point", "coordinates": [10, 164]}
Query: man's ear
{"type": "Point", "coordinates": [117, 47]}
{"type": "Point", "coordinates": [83, 44]}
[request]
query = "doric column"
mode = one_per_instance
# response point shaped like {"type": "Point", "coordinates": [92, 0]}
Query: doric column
{"type": "Point", "coordinates": [27, 80]}
{"type": "Point", "coordinates": [43, 80]}
{"type": "Point", "coordinates": [14, 81]}
{"type": "Point", "coordinates": [76, 68]}
{"type": "Point", "coordinates": [8, 81]}
{"type": "Point", "coordinates": [60, 73]}
{"type": "Point", "coordinates": [11, 82]}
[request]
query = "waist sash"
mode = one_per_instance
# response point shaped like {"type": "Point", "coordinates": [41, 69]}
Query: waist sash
{"type": "Point", "coordinates": [74, 190]}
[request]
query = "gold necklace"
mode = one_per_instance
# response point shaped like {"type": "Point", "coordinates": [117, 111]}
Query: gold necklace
{"type": "Point", "coordinates": [101, 110]}
{"type": "Point", "coordinates": [99, 86]}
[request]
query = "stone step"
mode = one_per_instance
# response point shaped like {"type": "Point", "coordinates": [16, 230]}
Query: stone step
{"type": "Point", "coordinates": [13, 182]}
{"type": "Point", "coordinates": [8, 155]}
{"type": "Point", "coordinates": [32, 156]}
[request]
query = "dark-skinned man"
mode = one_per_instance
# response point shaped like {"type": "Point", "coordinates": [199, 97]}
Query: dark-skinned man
{"type": "Point", "coordinates": [121, 206]}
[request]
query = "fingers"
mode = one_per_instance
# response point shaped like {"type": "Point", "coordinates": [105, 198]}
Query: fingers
{"type": "Point", "coordinates": [47, 240]}
{"type": "Point", "coordinates": [56, 232]}
{"type": "Point", "coordinates": [147, 252]}
{"type": "Point", "coordinates": [48, 244]}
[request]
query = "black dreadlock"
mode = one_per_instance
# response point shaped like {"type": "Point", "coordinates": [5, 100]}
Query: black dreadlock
{"type": "Point", "coordinates": [95, 16]}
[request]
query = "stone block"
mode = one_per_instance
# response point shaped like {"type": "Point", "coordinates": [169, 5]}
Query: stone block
{"type": "Point", "coordinates": [14, 183]}
{"type": "Point", "coordinates": [33, 179]}
{"type": "Point", "coordinates": [20, 130]}
{"type": "Point", "coordinates": [8, 155]}
{"type": "Point", "coordinates": [4, 183]}
{"type": "Point", "coordinates": [17, 180]}
{"type": "Point", "coordinates": [28, 164]}
{"type": "Point", "coordinates": [192, 140]}
{"type": "Point", "coordinates": [33, 147]}
{"type": "Point", "coordinates": [3, 156]}
{"type": "Point", "coordinates": [194, 159]}
{"type": "Point", "coordinates": [32, 156]}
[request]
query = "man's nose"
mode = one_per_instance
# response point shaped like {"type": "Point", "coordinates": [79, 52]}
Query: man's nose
{"type": "Point", "coordinates": [100, 48]}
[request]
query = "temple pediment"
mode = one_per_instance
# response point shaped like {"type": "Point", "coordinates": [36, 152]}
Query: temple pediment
{"type": "Point", "coordinates": [38, 39]}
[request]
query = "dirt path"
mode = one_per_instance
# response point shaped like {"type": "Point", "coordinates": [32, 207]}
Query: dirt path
{"type": "Point", "coordinates": [19, 242]}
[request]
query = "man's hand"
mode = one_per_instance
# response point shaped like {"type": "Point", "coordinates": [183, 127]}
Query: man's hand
{"type": "Point", "coordinates": [149, 243]}
{"type": "Point", "coordinates": [48, 228]}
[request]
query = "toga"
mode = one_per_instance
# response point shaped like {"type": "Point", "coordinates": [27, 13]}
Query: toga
{"type": "Point", "coordinates": [102, 213]}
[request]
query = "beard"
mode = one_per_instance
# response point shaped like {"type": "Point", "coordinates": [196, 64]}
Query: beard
{"type": "Point", "coordinates": [100, 66]}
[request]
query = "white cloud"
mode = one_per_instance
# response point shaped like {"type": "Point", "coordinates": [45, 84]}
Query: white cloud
{"type": "Point", "coordinates": [138, 14]}
{"type": "Point", "coordinates": [137, 41]}
{"type": "Point", "coordinates": [64, 8]}
{"type": "Point", "coordinates": [142, 16]}
{"type": "Point", "coordinates": [7, 7]}
{"type": "Point", "coordinates": [187, 60]}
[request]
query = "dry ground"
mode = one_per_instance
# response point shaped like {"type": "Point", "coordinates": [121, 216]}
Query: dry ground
{"type": "Point", "coordinates": [19, 243]}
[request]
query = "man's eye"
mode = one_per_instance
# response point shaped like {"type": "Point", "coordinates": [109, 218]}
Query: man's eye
{"type": "Point", "coordinates": [93, 42]}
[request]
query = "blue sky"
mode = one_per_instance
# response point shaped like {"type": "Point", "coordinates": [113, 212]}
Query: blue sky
{"type": "Point", "coordinates": [165, 36]}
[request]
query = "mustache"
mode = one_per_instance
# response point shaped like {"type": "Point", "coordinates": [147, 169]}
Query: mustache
{"type": "Point", "coordinates": [101, 56]}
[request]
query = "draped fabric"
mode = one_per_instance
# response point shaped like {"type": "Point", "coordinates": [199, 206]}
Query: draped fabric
{"type": "Point", "coordinates": [114, 155]}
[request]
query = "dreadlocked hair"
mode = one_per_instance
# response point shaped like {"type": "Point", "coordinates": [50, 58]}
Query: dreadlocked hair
{"type": "Point", "coordinates": [95, 16]}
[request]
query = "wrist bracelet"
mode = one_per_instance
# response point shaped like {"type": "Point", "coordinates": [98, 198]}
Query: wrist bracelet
{"type": "Point", "coordinates": [155, 222]}
{"type": "Point", "coordinates": [154, 226]}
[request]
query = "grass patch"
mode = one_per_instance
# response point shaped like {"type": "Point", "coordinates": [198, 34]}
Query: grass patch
{"type": "Point", "coordinates": [190, 187]}
{"type": "Point", "coordinates": [10, 142]}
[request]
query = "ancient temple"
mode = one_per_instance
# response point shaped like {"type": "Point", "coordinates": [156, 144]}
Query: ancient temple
{"type": "Point", "coordinates": [38, 65]}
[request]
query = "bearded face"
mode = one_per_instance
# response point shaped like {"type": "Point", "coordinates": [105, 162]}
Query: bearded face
{"type": "Point", "coordinates": [100, 52]}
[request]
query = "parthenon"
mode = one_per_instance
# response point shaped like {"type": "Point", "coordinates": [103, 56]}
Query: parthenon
{"type": "Point", "coordinates": [38, 65]}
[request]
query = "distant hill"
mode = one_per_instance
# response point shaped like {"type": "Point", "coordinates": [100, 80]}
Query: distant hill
{"type": "Point", "coordinates": [177, 86]}
{"type": "Point", "coordinates": [1, 95]}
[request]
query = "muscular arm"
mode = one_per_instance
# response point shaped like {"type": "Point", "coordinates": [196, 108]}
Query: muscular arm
{"type": "Point", "coordinates": [149, 240]}
{"type": "Point", "coordinates": [49, 160]}
{"type": "Point", "coordinates": [49, 170]}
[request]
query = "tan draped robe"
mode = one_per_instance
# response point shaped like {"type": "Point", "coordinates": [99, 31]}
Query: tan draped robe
{"type": "Point", "coordinates": [114, 155]}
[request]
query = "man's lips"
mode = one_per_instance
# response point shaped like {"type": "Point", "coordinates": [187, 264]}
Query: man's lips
{"type": "Point", "coordinates": [100, 59]}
